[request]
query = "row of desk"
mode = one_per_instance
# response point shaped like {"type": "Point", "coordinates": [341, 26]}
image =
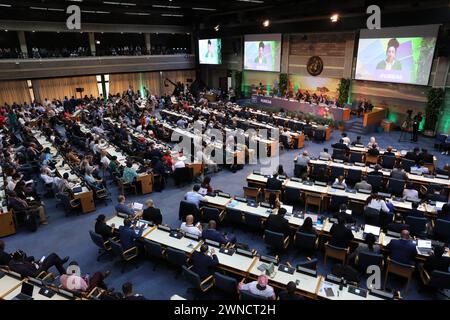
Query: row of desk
{"type": "Point", "coordinates": [247, 265]}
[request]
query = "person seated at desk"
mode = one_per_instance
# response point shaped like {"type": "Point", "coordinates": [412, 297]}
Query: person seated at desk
{"type": "Point", "coordinates": [260, 287]}
{"type": "Point", "coordinates": [73, 157]}
{"type": "Point", "coordinates": [342, 213]}
{"type": "Point", "coordinates": [413, 155]}
{"type": "Point", "coordinates": [104, 160]}
{"type": "Point", "coordinates": [341, 236]}
{"type": "Point", "coordinates": [372, 142]}
{"type": "Point", "coordinates": [5, 257]}
{"type": "Point", "coordinates": [363, 184]}
{"type": "Point", "coordinates": [410, 192]}
{"type": "Point", "coordinates": [402, 250]}
{"type": "Point", "coordinates": [437, 195]}
{"type": "Point", "coordinates": [153, 151]}
{"type": "Point", "coordinates": [289, 293]}
{"type": "Point", "coordinates": [96, 183]}
{"type": "Point", "coordinates": [357, 141]}
{"type": "Point", "coordinates": [444, 214]}
{"type": "Point", "coordinates": [46, 156]}
{"type": "Point", "coordinates": [339, 182]}
{"type": "Point", "coordinates": [49, 178]}
{"type": "Point", "coordinates": [415, 212]}
{"type": "Point", "coordinates": [420, 167]}
{"type": "Point", "coordinates": [121, 207]}
{"type": "Point", "coordinates": [127, 289]}
{"type": "Point", "coordinates": [307, 226]}
{"type": "Point", "coordinates": [376, 171]}
{"type": "Point", "coordinates": [128, 235]}
{"type": "Point", "coordinates": [278, 223]}
{"type": "Point", "coordinates": [389, 152]}
{"type": "Point", "coordinates": [444, 171]}
{"type": "Point", "coordinates": [376, 202]}
{"type": "Point", "coordinates": [102, 228]}
{"type": "Point", "coordinates": [303, 159]}
{"type": "Point", "coordinates": [180, 163]}
{"type": "Point", "coordinates": [373, 151]}
{"type": "Point", "coordinates": [28, 267]}
{"type": "Point", "coordinates": [345, 138]}
{"type": "Point", "coordinates": [18, 204]}
{"type": "Point", "coordinates": [280, 171]}
{"type": "Point", "coordinates": [114, 165]}
{"type": "Point", "coordinates": [129, 173]}
{"type": "Point", "coordinates": [203, 262]}
{"type": "Point", "coordinates": [437, 261]}
{"type": "Point", "coordinates": [181, 123]}
{"type": "Point", "coordinates": [340, 145]}
{"type": "Point", "coordinates": [189, 227]}
{"type": "Point", "coordinates": [195, 197]}
{"type": "Point", "coordinates": [80, 283]}
{"type": "Point", "coordinates": [167, 158]}
{"type": "Point", "coordinates": [273, 183]}
{"type": "Point", "coordinates": [425, 156]}
{"type": "Point", "coordinates": [151, 213]}
{"type": "Point", "coordinates": [206, 184]}
{"type": "Point", "coordinates": [212, 234]}
{"type": "Point", "coordinates": [398, 173]}
{"type": "Point", "coordinates": [324, 154]}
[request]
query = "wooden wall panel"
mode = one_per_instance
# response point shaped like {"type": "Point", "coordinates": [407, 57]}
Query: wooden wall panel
{"type": "Point", "coordinates": [58, 88]}
{"type": "Point", "coordinates": [14, 91]}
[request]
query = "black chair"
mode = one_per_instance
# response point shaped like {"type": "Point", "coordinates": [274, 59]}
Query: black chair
{"type": "Point", "coordinates": [417, 225]}
{"type": "Point", "coordinates": [253, 221]}
{"type": "Point", "coordinates": [365, 259]}
{"type": "Point", "coordinates": [69, 205]}
{"type": "Point", "coordinates": [336, 172]}
{"type": "Point", "coordinates": [336, 202]}
{"type": "Point", "coordinates": [407, 164]}
{"type": "Point", "coordinates": [276, 240]}
{"type": "Point", "coordinates": [437, 280]}
{"type": "Point", "coordinates": [176, 258]}
{"type": "Point", "coordinates": [213, 214]}
{"type": "Point", "coordinates": [376, 181]}
{"type": "Point", "coordinates": [319, 135]}
{"type": "Point", "coordinates": [372, 216]}
{"type": "Point", "coordinates": [317, 168]}
{"type": "Point", "coordinates": [309, 264]}
{"type": "Point", "coordinates": [225, 284]}
{"type": "Point", "coordinates": [299, 170]}
{"type": "Point", "coordinates": [182, 176]}
{"type": "Point", "coordinates": [356, 157]}
{"type": "Point", "coordinates": [126, 256]}
{"type": "Point", "coordinates": [187, 208]}
{"type": "Point", "coordinates": [233, 216]}
{"type": "Point", "coordinates": [199, 284]}
{"type": "Point", "coordinates": [154, 250]}
{"type": "Point", "coordinates": [442, 230]}
{"type": "Point", "coordinates": [104, 246]}
{"type": "Point", "coordinates": [339, 154]}
{"type": "Point", "coordinates": [291, 196]}
{"type": "Point", "coordinates": [396, 187]}
{"type": "Point", "coordinates": [247, 295]}
{"type": "Point", "coordinates": [388, 162]}
{"type": "Point", "coordinates": [353, 176]}
{"type": "Point", "coordinates": [307, 242]}
{"type": "Point", "coordinates": [285, 142]}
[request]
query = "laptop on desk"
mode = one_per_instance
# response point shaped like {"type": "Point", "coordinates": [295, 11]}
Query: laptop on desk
{"type": "Point", "coordinates": [26, 292]}
{"type": "Point", "coordinates": [371, 229]}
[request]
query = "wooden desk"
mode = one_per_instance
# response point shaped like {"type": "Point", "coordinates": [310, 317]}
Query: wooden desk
{"type": "Point", "coordinates": [299, 140]}
{"type": "Point", "coordinates": [340, 294]}
{"type": "Point", "coordinates": [216, 202]}
{"type": "Point", "coordinates": [163, 237]}
{"type": "Point", "coordinates": [8, 284]}
{"type": "Point", "coordinates": [36, 295]}
{"type": "Point", "coordinates": [197, 168]}
{"type": "Point", "coordinates": [245, 208]}
{"type": "Point", "coordinates": [86, 198]}
{"type": "Point", "coordinates": [236, 263]}
{"type": "Point", "coordinates": [146, 181]}
{"type": "Point", "coordinates": [7, 226]}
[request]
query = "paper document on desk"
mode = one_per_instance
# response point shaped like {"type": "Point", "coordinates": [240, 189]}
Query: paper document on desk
{"type": "Point", "coordinates": [137, 206]}
{"type": "Point", "coordinates": [203, 191]}
{"type": "Point", "coordinates": [439, 205]}
{"type": "Point", "coordinates": [425, 244]}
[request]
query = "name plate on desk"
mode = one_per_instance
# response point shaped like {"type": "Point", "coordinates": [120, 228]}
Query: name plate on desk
{"type": "Point", "coordinates": [441, 176]}
{"type": "Point", "coordinates": [308, 183]}
{"type": "Point", "coordinates": [307, 271]}
{"type": "Point", "coordinates": [320, 183]}
{"type": "Point", "coordinates": [227, 251]}
{"type": "Point", "coordinates": [358, 291]}
{"type": "Point", "coordinates": [175, 234]}
{"type": "Point", "coordinates": [164, 228]}
{"type": "Point", "coordinates": [192, 236]}
{"type": "Point", "coordinates": [286, 269]}
{"type": "Point", "coordinates": [359, 164]}
{"type": "Point", "coordinates": [240, 199]}
{"type": "Point", "coordinates": [244, 252]}
{"type": "Point", "coordinates": [296, 179]}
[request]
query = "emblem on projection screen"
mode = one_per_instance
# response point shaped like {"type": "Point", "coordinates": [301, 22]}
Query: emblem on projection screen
{"type": "Point", "coordinates": [315, 66]}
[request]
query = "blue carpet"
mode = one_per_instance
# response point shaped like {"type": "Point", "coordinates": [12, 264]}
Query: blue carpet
{"type": "Point", "coordinates": [69, 235]}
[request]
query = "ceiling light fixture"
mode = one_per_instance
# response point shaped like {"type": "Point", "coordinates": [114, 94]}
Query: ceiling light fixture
{"type": "Point", "coordinates": [137, 13]}
{"type": "Point", "coordinates": [266, 23]}
{"type": "Point", "coordinates": [217, 28]}
{"type": "Point", "coordinates": [334, 17]}
{"type": "Point", "coordinates": [5, 5]}
{"type": "Point", "coordinates": [205, 9]}
{"type": "Point", "coordinates": [163, 6]}
{"type": "Point", "coordinates": [171, 15]}
{"type": "Point", "coordinates": [251, 1]}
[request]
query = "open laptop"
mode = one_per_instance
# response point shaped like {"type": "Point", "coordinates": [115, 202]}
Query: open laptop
{"type": "Point", "coordinates": [26, 292]}
{"type": "Point", "coordinates": [371, 229]}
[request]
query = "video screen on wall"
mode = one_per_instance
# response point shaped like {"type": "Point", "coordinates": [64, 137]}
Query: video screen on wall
{"type": "Point", "coordinates": [210, 51]}
{"type": "Point", "coordinates": [262, 52]}
{"type": "Point", "coordinates": [400, 55]}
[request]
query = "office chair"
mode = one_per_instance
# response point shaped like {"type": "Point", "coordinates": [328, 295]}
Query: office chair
{"type": "Point", "coordinates": [299, 170]}
{"type": "Point", "coordinates": [365, 259]}
{"type": "Point", "coordinates": [372, 216]}
{"type": "Point", "coordinates": [336, 253]}
{"type": "Point", "coordinates": [104, 246]}
{"type": "Point", "coordinates": [319, 135]}
{"type": "Point", "coordinates": [339, 154]}
{"type": "Point", "coordinates": [353, 176]}
{"type": "Point", "coordinates": [316, 169]}
{"type": "Point", "coordinates": [233, 216]}
{"type": "Point", "coordinates": [388, 162]}
{"type": "Point", "coordinates": [200, 285]}
{"type": "Point", "coordinates": [252, 193]}
{"type": "Point", "coordinates": [437, 280]}
{"type": "Point", "coordinates": [187, 208]}
{"type": "Point", "coordinates": [126, 188]}
{"type": "Point", "coordinates": [376, 181]}
{"type": "Point", "coordinates": [407, 164]}
{"type": "Point", "coordinates": [253, 221]}
{"type": "Point", "coordinates": [335, 173]}
{"type": "Point", "coordinates": [417, 225]}
{"type": "Point", "coordinates": [308, 263]}
{"type": "Point", "coordinates": [356, 157]}
{"type": "Point", "coordinates": [176, 258]}
{"type": "Point", "coordinates": [400, 269]}
{"type": "Point", "coordinates": [336, 202]}
{"type": "Point", "coordinates": [307, 242]}
{"type": "Point", "coordinates": [291, 196]}
{"type": "Point", "coordinates": [276, 240]}
{"type": "Point", "coordinates": [213, 214]}
{"type": "Point", "coordinates": [126, 256]}
{"type": "Point", "coordinates": [225, 284]}
{"type": "Point", "coordinates": [313, 199]}
{"type": "Point", "coordinates": [396, 187]}
{"type": "Point", "coordinates": [155, 251]}
{"type": "Point", "coordinates": [442, 230]}
{"type": "Point", "coordinates": [247, 295]}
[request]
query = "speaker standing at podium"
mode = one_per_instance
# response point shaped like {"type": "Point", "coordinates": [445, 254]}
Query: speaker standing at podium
{"type": "Point", "coordinates": [416, 122]}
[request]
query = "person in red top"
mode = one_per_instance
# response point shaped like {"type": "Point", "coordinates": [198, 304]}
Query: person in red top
{"type": "Point", "coordinates": [167, 158]}
{"type": "Point", "coordinates": [207, 184]}
{"type": "Point", "coordinates": [2, 120]}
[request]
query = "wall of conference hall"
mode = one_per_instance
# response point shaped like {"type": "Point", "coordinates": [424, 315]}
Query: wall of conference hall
{"type": "Point", "coordinates": [337, 51]}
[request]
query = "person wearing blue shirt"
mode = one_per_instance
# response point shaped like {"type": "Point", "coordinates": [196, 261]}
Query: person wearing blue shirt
{"type": "Point", "coordinates": [212, 234]}
{"type": "Point", "coordinates": [129, 174]}
{"type": "Point", "coordinates": [194, 197]}
{"type": "Point", "coordinates": [402, 250]}
{"type": "Point", "coordinates": [46, 156]}
{"type": "Point", "coordinates": [128, 235]}
{"type": "Point", "coordinates": [121, 207]}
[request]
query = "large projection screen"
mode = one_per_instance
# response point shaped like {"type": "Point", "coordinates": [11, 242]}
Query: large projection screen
{"type": "Point", "coordinates": [399, 55]}
{"type": "Point", "coordinates": [262, 52]}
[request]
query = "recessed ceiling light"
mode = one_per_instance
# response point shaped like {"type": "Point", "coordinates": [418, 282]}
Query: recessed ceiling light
{"type": "Point", "coordinates": [163, 6]}
{"type": "Point", "coordinates": [205, 9]}
{"type": "Point", "coordinates": [252, 1]}
{"type": "Point", "coordinates": [334, 17]}
{"type": "Point", "coordinates": [217, 28]}
{"type": "Point", "coordinates": [5, 5]}
{"type": "Point", "coordinates": [266, 23]}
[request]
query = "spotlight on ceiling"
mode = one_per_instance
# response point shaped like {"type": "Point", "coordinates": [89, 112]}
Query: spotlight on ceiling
{"type": "Point", "coordinates": [216, 28]}
{"type": "Point", "coordinates": [266, 23]}
{"type": "Point", "coordinates": [334, 17]}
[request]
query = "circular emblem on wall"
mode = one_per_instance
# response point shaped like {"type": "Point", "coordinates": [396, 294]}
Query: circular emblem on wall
{"type": "Point", "coordinates": [315, 66]}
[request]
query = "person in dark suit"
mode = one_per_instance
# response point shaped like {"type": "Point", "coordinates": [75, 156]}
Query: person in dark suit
{"type": "Point", "coordinates": [289, 293]}
{"type": "Point", "coordinates": [128, 235]}
{"type": "Point", "coordinates": [425, 156]}
{"type": "Point", "coordinates": [436, 261]}
{"type": "Point", "coordinates": [212, 234]}
{"type": "Point", "coordinates": [444, 171]}
{"type": "Point", "coordinates": [26, 267]}
{"type": "Point", "coordinates": [373, 151]}
{"type": "Point", "coordinates": [278, 223]}
{"type": "Point", "coordinates": [415, 212]}
{"type": "Point", "coordinates": [389, 152]}
{"type": "Point", "coordinates": [340, 234]}
{"type": "Point", "coordinates": [437, 196]}
{"type": "Point", "coordinates": [376, 171]}
{"type": "Point", "coordinates": [5, 257]}
{"type": "Point", "coordinates": [273, 183]}
{"type": "Point", "coordinates": [204, 261]}
{"type": "Point", "coordinates": [102, 228]}
{"type": "Point", "coordinates": [127, 289]}
{"type": "Point", "coordinates": [151, 213]}
{"type": "Point", "coordinates": [402, 250]}
{"type": "Point", "coordinates": [340, 145]}
{"type": "Point", "coordinates": [444, 214]}
{"type": "Point", "coordinates": [307, 226]}
{"type": "Point", "coordinates": [413, 155]}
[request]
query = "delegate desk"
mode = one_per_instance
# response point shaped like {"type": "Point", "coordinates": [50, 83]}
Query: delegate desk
{"type": "Point", "coordinates": [163, 237]}
{"type": "Point", "coordinates": [339, 114]}
{"type": "Point", "coordinates": [344, 294]}
{"type": "Point", "coordinates": [8, 284]}
{"type": "Point", "coordinates": [36, 295]}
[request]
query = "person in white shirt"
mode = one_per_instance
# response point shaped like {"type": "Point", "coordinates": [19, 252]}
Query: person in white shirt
{"type": "Point", "coordinates": [104, 159]}
{"type": "Point", "coordinates": [324, 154]}
{"type": "Point", "coordinates": [410, 192]}
{"type": "Point", "coordinates": [259, 287]}
{"type": "Point", "coordinates": [304, 159]}
{"type": "Point", "coordinates": [194, 197]}
{"type": "Point", "coordinates": [179, 163]}
{"type": "Point", "coordinates": [339, 182]}
{"type": "Point", "coordinates": [377, 203]}
{"type": "Point", "coordinates": [189, 227]}
{"type": "Point", "coordinates": [372, 142]}
{"type": "Point", "coordinates": [345, 139]}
